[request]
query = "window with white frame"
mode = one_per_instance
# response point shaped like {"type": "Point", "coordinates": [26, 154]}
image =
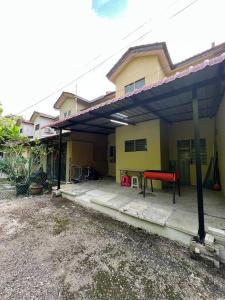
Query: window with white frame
{"type": "Point", "coordinates": [67, 113]}
{"type": "Point", "coordinates": [134, 85]}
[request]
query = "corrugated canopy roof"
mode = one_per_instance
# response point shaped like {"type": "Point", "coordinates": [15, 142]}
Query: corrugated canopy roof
{"type": "Point", "coordinates": [169, 99]}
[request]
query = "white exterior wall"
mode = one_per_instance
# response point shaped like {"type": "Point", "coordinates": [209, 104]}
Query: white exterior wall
{"type": "Point", "coordinates": [28, 129]}
{"type": "Point", "coordinates": [42, 132]}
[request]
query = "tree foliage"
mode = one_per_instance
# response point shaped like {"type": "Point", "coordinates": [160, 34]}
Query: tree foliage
{"type": "Point", "coordinates": [9, 129]}
{"type": "Point", "coordinates": [21, 160]}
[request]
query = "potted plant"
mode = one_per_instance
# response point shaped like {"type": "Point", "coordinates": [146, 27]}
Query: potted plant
{"type": "Point", "coordinates": [21, 186]}
{"type": "Point", "coordinates": [22, 164]}
{"type": "Point", "coordinates": [14, 166]}
{"type": "Point", "coordinates": [38, 179]}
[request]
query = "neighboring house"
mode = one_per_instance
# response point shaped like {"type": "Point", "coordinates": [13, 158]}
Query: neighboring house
{"type": "Point", "coordinates": [162, 137]}
{"type": "Point", "coordinates": [166, 143]}
{"type": "Point", "coordinates": [78, 148]}
{"type": "Point", "coordinates": [27, 129]}
{"type": "Point", "coordinates": [69, 104]}
{"type": "Point", "coordinates": [40, 120]}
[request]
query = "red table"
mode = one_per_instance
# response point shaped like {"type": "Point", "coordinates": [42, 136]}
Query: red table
{"type": "Point", "coordinates": [167, 176]}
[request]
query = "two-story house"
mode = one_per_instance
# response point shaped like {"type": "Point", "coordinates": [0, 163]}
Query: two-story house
{"type": "Point", "coordinates": [156, 136]}
{"type": "Point", "coordinates": [159, 144]}
{"type": "Point", "coordinates": [79, 149]}
{"type": "Point", "coordinates": [39, 120]}
{"type": "Point", "coordinates": [27, 129]}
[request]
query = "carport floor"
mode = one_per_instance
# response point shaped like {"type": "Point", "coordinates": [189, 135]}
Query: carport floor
{"type": "Point", "coordinates": [155, 209]}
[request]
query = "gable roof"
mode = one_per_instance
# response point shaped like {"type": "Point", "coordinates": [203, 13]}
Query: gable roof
{"type": "Point", "coordinates": [40, 114]}
{"type": "Point", "coordinates": [66, 95]}
{"type": "Point", "coordinates": [27, 122]}
{"type": "Point", "coordinates": [155, 48]}
{"type": "Point", "coordinates": [209, 53]}
{"type": "Point", "coordinates": [157, 100]}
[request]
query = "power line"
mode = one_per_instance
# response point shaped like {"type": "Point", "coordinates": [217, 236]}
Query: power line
{"type": "Point", "coordinates": [81, 75]}
{"type": "Point", "coordinates": [106, 59]}
{"type": "Point", "coordinates": [135, 30]}
{"type": "Point", "coordinates": [184, 8]}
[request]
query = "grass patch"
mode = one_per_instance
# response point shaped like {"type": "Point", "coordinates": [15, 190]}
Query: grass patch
{"type": "Point", "coordinates": [60, 225]}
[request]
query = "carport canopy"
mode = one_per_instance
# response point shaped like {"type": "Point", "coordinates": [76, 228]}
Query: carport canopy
{"type": "Point", "coordinates": [188, 95]}
{"type": "Point", "coordinates": [169, 99]}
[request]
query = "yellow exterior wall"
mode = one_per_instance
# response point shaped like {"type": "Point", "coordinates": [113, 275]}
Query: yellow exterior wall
{"type": "Point", "coordinates": [143, 66]}
{"type": "Point", "coordinates": [69, 150]}
{"type": "Point", "coordinates": [72, 105]}
{"type": "Point", "coordinates": [69, 104]}
{"type": "Point", "coordinates": [185, 130]}
{"type": "Point", "coordinates": [81, 106]}
{"type": "Point", "coordinates": [220, 126]}
{"type": "Point", "coordinates": [164, 145]}
{"type": "Point", "coordinates": [141, 160]}
{"type": "Point", "coordinates": [111, 166]}
{"type": "Point", "coordinates": [88, 148]}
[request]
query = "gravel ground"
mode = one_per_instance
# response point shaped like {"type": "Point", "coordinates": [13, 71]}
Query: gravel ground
{"type": "Point", "coordinates": [51, 248]}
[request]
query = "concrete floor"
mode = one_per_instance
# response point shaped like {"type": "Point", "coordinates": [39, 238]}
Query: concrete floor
{"type": "Point", "coordinates": [156, 208]}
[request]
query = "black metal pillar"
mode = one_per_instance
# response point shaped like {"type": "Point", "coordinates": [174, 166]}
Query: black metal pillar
{"type": "Point", "coordinates": [60, 158]}
{"type": "Point", "coordinates": [201, 222]}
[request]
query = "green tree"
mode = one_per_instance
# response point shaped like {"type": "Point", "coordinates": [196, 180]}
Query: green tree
{"type": "Point", "coordinates": [9, 129]}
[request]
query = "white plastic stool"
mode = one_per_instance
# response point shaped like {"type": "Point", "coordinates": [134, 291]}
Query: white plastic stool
{"type": "Point", "coordinates": [134, 182]}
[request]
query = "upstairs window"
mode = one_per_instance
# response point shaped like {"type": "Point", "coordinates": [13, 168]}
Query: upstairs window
{"type": "Point", "coordinates": [67, 113]}
{"type": "Point", "coordinates": [139, 83]}
{"type": "Point", "coordinates": [134, 85]}
{"type": "Point", "coordinates": [37, 127]}
{"type": "Point", "coordinates": [129, 88]}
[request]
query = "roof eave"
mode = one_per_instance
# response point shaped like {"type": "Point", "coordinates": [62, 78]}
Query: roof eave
{"type": "Point", "coordinates": [132, 51]}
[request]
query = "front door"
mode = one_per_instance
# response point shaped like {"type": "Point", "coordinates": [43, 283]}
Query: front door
{"type": "Point", "coordinates": [183, 159]}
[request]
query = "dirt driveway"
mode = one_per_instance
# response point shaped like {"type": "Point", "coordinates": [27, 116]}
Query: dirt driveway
{"type": "Point", "coordinates": [55, 249]}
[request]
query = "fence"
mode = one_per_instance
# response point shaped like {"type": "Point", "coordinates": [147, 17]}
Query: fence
{"type": "Point", "coordinates": [24, 167]}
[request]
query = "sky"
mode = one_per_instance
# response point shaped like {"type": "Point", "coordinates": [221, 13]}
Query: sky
{"type": "Point", "coordinates": [50, 46]}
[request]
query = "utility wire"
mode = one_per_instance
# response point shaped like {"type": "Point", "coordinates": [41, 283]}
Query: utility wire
{"type": "Point", "coordinates": [184, 8]}
{"type": "Point", "coordinates": [105, 60]}
{"type": "Point", "coordinates": [82, 74]}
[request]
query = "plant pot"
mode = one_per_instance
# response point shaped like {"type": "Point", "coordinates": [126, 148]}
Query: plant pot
{"type": "Point", "coordinates": [36, 189]}
{"type": "Point", "coordinates": [21, 188]}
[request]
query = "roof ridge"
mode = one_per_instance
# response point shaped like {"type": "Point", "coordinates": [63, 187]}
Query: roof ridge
{"type": "Point", "coordinates": [212, 49]}
{"type": "Point", "coordinates": [152, 46]}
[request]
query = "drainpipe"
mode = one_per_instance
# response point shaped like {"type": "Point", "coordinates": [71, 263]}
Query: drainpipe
{"type": "Point", "coordinates": [201, 222]}
{"type": "Point", "coordinates": [60, 158]}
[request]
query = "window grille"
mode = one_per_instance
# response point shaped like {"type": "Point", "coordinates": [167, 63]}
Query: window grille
{"type": "Point", "coordinates": [136, 145]}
